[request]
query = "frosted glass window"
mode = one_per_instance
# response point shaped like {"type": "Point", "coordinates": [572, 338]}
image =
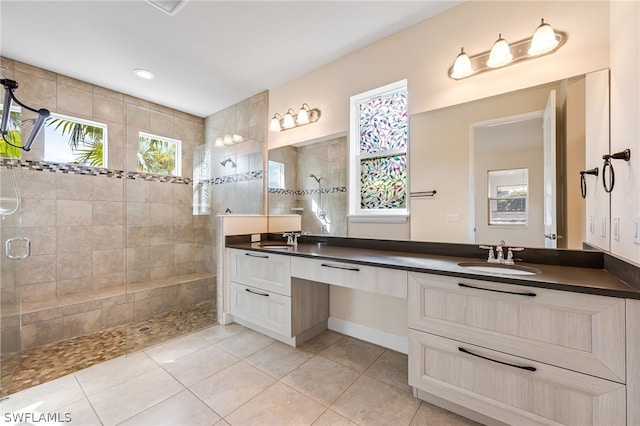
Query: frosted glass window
{"type": "Point", "coordinates": [379, 151]}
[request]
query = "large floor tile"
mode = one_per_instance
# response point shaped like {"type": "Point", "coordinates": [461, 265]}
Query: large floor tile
{"type": "Point", "coordinates": [220, 332]}
{"type": "Point", "coordinates": [81, 413]}
{"type": "Point", "coordinates": [47, 397]}
{"type": "Point", "coordinates": [278, 406]}
{"type": "Point", "coordinates": [278, 359]}
{"type": "Point", "coordinates": [430, 415]}
{"type": "Point", "coordinates": [116, 371]}
{"type": "Point", "coordinates": [321, 342]}
{"type": "Point", "coordinates": [391, 368]}
{"type": "Point", "coordinates": [353, 353]}
{"type": "Point", "coordinates": [321, 379]}
{"type": "Point", "coordinates": [197, 366]}
{"type": "Point", "coordinates": [331, 418]}
{"type": "Point", "coordinates": [125, 400]}
{"type": "Point", "coordinates": [246, 343]}
{"type": "Point", "coordinates": [370, 402]}
{"type": "Point", "coordinates": [181, 409]}
{"type": "Point", "coordinates": [176, 348]}
{"type": "Point", "coordinates": [230, 388]}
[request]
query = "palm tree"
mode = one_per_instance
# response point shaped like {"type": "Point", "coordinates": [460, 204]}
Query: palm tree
{"type": "Point", "coordinates": [156, 156]}
{"type": "Point", "coordinates": [85, 140]}
{"type": "Point", "coordinates": [13, 136]}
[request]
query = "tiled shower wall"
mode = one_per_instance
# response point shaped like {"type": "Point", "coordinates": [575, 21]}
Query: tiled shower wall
{"type": "Point", "coordinates": [239, 188]}
{"type": "Point", "coordinates": [323, 207]}
{"type": "Point", "coordinates": [94, 231]}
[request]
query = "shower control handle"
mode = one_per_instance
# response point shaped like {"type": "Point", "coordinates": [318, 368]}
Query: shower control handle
{"type": "Point", "coordinates": [10, 242]}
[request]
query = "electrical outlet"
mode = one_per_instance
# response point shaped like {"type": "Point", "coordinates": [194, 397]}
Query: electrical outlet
{"type": "Point", "coordinates": [616, 228]}
{"type": "Point", "coordinates": [453, 218]}
{"type": "Point", "coordinates": [255, 238]}
{"type": "Point", "coordinates": [603, 227]}
{"type": "Point", "coordinates": [636, 230]}
{"type": "Point", "coordinates": [591, 227]}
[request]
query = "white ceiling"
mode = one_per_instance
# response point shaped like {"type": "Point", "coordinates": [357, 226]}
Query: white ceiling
{"type": "Point", "coordinates": [210, 55]}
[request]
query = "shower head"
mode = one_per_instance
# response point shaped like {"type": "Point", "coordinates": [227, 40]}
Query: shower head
{"type": "Point", "coordinates": [316, 177]}
{"type": "Point", "coordinates": [228, 160]}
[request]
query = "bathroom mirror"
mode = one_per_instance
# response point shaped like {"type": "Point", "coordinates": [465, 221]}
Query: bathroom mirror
{"type": "Point", "coordinates": [448, 149]}
{"type": "Point", "coordinates": [310, 180]}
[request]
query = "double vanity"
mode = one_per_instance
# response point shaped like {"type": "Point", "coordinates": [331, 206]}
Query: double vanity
{"type": "Point", "coordinates": [555, 340]}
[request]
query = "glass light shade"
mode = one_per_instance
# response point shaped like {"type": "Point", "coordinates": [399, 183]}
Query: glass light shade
{"type": "Point", "coordinates": [303, 116]}
{"type": "Point", "coordinates": [228, 140]}
{"type": "Point", "coordinates": [544, 40]}
{"type": "Point", "coordinates": [500, 53]}
{"type": "Point", "coordinates": [274, 126]}
{"type": "Point", "coordinates": [218, 143]}
{"type": "Point", "coordinates": [462, 66]}
{"type": "Point", "coordinates": [288, 121]}
{"type": "Point", "coordinates": [236, 138]}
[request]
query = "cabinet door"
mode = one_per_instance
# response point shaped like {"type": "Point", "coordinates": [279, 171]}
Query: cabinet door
{"type": "Point", "coordinates": [390, 282]}
{"type": "Point", "coordinates": [511, 389]}
{"type": "Point", "coordinates": [266, 309]}
{"type": "Point", "coordinates": [581, 332]}
{"type": "Point", "coordinates": [266, 271]}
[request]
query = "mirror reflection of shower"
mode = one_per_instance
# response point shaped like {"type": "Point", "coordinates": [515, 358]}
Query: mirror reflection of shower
{"type": "Point", "coordinates": [318, 207]}
{"type": "Point", "coordinates": [227, 161]}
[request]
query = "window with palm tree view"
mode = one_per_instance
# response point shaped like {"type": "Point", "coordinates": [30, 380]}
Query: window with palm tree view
{"type": "Point", "coordinates": [13, 135]}
{"type": "Point", "coordinates": [75, 141]}
{"type": "Point", "coordinates": [158, 154]}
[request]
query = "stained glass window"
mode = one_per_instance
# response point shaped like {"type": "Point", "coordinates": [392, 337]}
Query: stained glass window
{"type": "Point", "coordinates": [380, 151]}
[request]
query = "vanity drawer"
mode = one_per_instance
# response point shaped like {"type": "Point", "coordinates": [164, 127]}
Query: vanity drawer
{"type": "Point", "coordinates": [390, 282]}
{"type": "Point", "coordinates": [511, 389]}
{"type": "Point", "coordinates": [266, 309]}
{"type": "Point", "coordinates": [581, 332]}
{"type": "Point", "coordinates": [266, 271]}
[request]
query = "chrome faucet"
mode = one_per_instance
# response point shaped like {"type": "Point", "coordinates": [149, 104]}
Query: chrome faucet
{"type": "Point", "coordinates": [498, 255]}
{"type": "Point", "coordinates": [292, 238]}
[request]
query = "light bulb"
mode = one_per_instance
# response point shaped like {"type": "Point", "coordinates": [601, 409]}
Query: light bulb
{"type": "Point", "coordinates": [303, 115]}
{"type": "Point", "coordinates": [500, 53]}
{"type": "Point", "coordinates": [228, 140]}
{"type": "Point", "coordinates": [218, 143]}
{"type": "Point", "coordinates": [274, 126]}
{"type": "Point", "coordinates": [544, 40]}
{"type": "Point", "coordinates": [288, 121]}
{"type": "Point", "coordinates": [462, 66]}
{"type": "Point", "coordinates": [236, 138]}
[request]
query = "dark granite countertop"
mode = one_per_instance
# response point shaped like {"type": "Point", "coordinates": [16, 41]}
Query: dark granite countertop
{"type": "Point", "coordinates": [593, 280]}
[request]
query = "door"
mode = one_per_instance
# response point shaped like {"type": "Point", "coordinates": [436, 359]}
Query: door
{"type": "Point", "coordinates": [549, 138]}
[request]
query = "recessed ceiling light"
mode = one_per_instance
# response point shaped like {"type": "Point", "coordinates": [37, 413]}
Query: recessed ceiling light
{"type": "Point", "coordinates": [147, 75]}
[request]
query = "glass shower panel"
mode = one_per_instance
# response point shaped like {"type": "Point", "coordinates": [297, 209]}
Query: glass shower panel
{"type": "Point", "coordinates": [170, 290]}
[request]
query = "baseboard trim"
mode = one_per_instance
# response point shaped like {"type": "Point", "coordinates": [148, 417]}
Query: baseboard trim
{"type": "Point", "coordinates": [371, 335]}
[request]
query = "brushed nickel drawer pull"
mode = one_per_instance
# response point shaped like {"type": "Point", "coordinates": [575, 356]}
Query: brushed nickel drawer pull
{"type": "Point", "coordinates": [522, 367]}
{"type": "Point", "coordinates": [256, 292]}
{"type": "Point", "coordinates": [531, 294]}
{"type": "Point", "coordinates": [346, 268]}
{"type": "Point", "coordinates": [261, 256]}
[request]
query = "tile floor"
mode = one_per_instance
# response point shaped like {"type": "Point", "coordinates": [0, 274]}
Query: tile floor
{"type": "Point", "coordinates": [231, 375]}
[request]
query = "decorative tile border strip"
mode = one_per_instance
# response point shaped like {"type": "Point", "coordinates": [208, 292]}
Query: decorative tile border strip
{"type": "Point", "coordinates": [46, 166]}
{"type": "Point", "coordinates": [332, 190]}
{"type": "Point", "coordinates": [240, 177]}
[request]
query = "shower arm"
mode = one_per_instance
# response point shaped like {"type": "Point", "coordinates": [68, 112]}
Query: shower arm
{"type": "Point", "coordinates": [10, 86]}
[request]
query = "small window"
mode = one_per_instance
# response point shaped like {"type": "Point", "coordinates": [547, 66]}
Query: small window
{"type": "Point", "coordinates": [276, 175]}
{"type": "Point", "coordinates": [158, 154]}
{"type": "Point", "coordinates": [508, 197]}
{"type": "Point", "coordinates": [378, 151]}
{"type": "Point", "coordinates": [13, 135]}
{"type": "Point", "coordinates": [75, 141]}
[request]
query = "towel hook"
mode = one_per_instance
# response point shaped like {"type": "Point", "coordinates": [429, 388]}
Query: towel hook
{"type": "Point", "coordinates": [622, 155]}
{"type": "Point", "coordinates": [583, 180]}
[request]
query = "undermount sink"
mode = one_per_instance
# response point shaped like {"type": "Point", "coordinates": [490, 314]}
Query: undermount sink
{"type": "Point", "coordinates": [274, 246]}
{"type": "Point", "coordinates": [500, 268]}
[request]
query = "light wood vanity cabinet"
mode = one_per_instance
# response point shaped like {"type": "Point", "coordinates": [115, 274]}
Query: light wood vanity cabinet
{"type": "Point", "coordinates": [520, 355]}
{"type": "Point", "coordinates": [263, 296]}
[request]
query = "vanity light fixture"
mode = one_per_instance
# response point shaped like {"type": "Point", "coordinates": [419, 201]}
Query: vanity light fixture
{"type": "Point", "coordinates": [544, 41]}
{"type": "Point", "coordinates": [227, 140]}
{"type": "Point", "coordinates": [305, 115]}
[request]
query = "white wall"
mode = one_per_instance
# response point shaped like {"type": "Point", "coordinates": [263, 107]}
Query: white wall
{"type": "Point", "coordinates": [625, 121]}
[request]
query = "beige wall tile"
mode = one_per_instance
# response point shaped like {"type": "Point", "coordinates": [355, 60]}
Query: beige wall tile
{"type": "Point", "coordinates": [81, 308]}
{"type": "Point", "coordinates": [37, 90]}
{"type": "Point", "coordinates": [116, 158]}
{"type": "Point", "coordinates": [43, 239]}
{"type": "Point", "coordinates": [161, 192]}
{"type": "Point", "coordinates": [137, 275]}
{"type": "Point", "coordinates": [73, 213]}
{"type": "Point", "coordinates": [74, 285]}
{"type": "Point", "coordinates": [74, 265]}
{"type": "Point", "coordinates": [165, 271]}
{"type": "Point", "coordinates": [138, 117]}
{"type": "Point", "coordinates": [74, 239]}
{"type": "Point", "coordinates": [183, 129]}
{"type": "Point", "coordinates": [138, 258]}
{"type": "Point", "coordinates": [38, 292]}
{"type": "Point", "coordinates": [183, 233]}
{"type": "Point", "coordinates": [97, 90]}
{"type": "Point", "coordinates": [107, 189]}
{"type": "Point", "coordinates": [74, 101]}
{"type": "Point", "coordinates": [137, 236]}
{"type": "Point", "coordinates": [137, 214]}
{"type": "Point", "coordinates": [159, 235]}
{"type": "Point", "coordinates": [184, 268]}
{"type": "Point", "coordinates": [41, 333]}
{"type": "Point", "coordinates": [137, 190]}
{"type": "Point", "coordinates": [183, 253]}
{"type": "Point", "coordinates": [38, 212]}
{"type": "Point", "coordinates": [115, 135]}
{"type": "Point", "coordinates": [36, 269]}
{"type": "Point", "coordinates": [160, 255]}
{"type": "Point", "coordinates": [81, 324]}
{"type": "Point", "coordinates": [108, 213]}
{"type": "Point", "coordinates": [78, 84]}
{"type": "Point", "coordinates": [113, 315]}
{"type": "Point", "coordinates": [182, 213]}
{"type": "Point", "coordinates": [107, 109]}
{"type": "Point", "coordinates": [37, 184]}
{"type": "Point", "coordinates": [160, 214]}
{"type": "Point", "coordinates": [161, 124]}
{"type": "Point", "coordinates": [115, 279]}
{"type": "Point", "coordinates": [107, 237]}
{"type": "Point", "coordinates": [108, 261]}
